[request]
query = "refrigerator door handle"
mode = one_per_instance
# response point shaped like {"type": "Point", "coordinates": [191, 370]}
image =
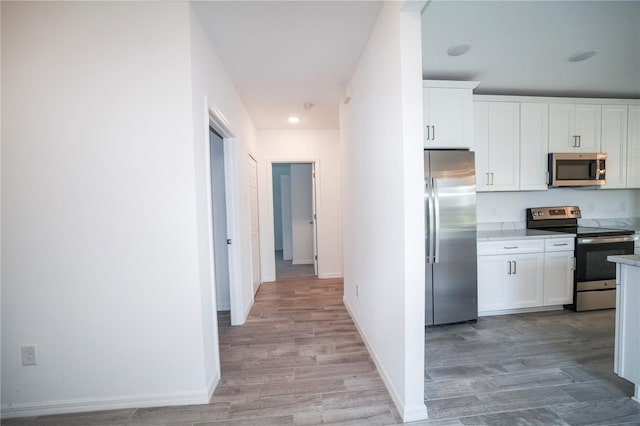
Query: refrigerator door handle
{"type": "Point", "coordinates": [428, 201]}
{"type": "Point", "coordinates": [436, 211]}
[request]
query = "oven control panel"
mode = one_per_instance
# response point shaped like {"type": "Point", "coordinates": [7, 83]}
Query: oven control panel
{"type": "Point", "coordinates": [545, 213]}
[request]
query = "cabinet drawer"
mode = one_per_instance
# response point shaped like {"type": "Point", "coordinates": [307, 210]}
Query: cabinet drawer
{"type": "Point", "coordinates": [510, 246]}
{"type": "Point", "coordinates": [558, 244]}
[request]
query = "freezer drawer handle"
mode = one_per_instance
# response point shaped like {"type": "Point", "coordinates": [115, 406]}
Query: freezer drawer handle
{"type": "Point", "coordinates": [510, 247]}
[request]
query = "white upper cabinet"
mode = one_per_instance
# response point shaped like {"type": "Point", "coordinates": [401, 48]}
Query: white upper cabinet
{"type": "Point", "coordinates": [633, 148]}
{"type": "Point", "coordinates": [497, 136]}
{"type": "Point", "coordinates": [574, 127]}
{"type": "Point", "coordinates": [534, 143]}
{"type": "Point", "coordinates": [614, 144]}
{"type": "Point", "coordinates": [448, 114]}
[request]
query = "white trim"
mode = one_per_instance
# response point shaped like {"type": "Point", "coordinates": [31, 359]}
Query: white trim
{"type": "Point", "coordinates": [408, 414]}
{"type": "Point", "coordinates": [330, 275]}
{"type": "Point", "coordinates": [99, 404]}
{"type": "Point", "coordinates": [213, 384]}
{"type": "Point", "coordinates": [520, 310]}
{"type": "Point", "coordinates": [448, 84]}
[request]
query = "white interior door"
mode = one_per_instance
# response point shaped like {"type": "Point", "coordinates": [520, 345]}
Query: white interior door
{"type": "Point", "coordinates": [302, 223]}
{"type": "Point", "coordinates": [285, 199]}
{"type": "Point", "coordinates": [255, 227]}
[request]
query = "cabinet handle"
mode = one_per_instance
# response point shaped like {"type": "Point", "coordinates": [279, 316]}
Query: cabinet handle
{"type": "Point", "coordinates": [546, 181]}
{"type": "Point", "coordinates": [511, 247]}
{"type": "Point", "coordinates": [509, 262]}
{"type": "Point", "coordinates": [579, 141]}
{"type": "Point", "coordinates": [487, 178]}
{"type": "Point", "coordinates": [558, 245]}
{"type": "Point", "coordinates": [491, 178]}
{"type": "Point", "coordinates": [428, 133]}
{"type": "Point", "coordinates": [433, 131]}
{"type": "Point", "coordinates": [575, 141]}
{"type": "Point", "coordinates": [515, 264]}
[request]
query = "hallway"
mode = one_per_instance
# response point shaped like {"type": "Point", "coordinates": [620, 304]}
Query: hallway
{"type": "Point", "coordinates": [300, 360]}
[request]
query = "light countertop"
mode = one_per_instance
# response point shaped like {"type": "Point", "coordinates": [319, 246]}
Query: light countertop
{"type": "Point", "coordinates": [626, 259]}
{"type": "Point", "coordinates": [514, 234]}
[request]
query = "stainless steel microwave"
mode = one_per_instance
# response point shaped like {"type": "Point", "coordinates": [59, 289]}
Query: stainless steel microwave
{"type": "Point", "coordinates": [577, 169]}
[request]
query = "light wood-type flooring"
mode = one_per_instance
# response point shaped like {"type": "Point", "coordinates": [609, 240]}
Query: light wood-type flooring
{"type": "Point", "coordinates": [299, 360]}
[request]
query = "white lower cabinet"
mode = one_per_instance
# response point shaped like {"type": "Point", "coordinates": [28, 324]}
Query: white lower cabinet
{"type": "Point", "coordinates": [511, 280]}
{"type": "Point", "coordinates": [558, 278]}
{"type": "Point", "coordinates": [516, 274]}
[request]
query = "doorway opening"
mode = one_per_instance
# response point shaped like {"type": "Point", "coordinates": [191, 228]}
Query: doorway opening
{"type": "Point", "coordinates": [220, 228]}
{"type": "Point", "coordinates": [295, 220]}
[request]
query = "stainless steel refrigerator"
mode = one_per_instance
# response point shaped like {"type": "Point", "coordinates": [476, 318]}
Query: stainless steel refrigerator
{"type": "Point", "coordinates": [450, 237]}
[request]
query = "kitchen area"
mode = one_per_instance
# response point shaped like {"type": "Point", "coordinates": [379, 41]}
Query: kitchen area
{"type": "Point", "coordinates": [557, 197]}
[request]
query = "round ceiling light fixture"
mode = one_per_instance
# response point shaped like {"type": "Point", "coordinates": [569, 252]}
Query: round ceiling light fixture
{"type": "Point", "coordinates": [583, 55]}
{"type": "Point", "coordinates": [293, 119]}
{"type": "Point", "coordinates": [458, 49]}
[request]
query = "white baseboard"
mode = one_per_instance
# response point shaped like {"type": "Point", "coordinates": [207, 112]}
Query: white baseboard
{"type": "Point", "coordinates": [330, 275]}
{"type": "Point", "coordinates": [520, 310]}
{"type": "Point", "coordinates": [408, 414]}
{"type": "Point", "coordinates": [212, 385]}
{"type": "Point", "coordinates": [43, 408]}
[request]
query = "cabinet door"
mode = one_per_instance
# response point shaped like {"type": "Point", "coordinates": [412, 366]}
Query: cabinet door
{"type": "Point", "coordinates": [558, 278]}
{"type": "Point", "coordinates": [481, 140]}
{"type": "Point", "coordinates": [525, 287]}
{"type": "Point", "coordinates": [534, 142]}
{"type": "Point", "coordinates": [449, 117]}
{"type": "Point", "coordinates": [588, 124]}
{"type": "Point", "coordinates": [614, 144]}
{"type": "Point", "coordinates": [633, 148]}
{"type": "Point", "coordinates": [492, 282]}
{"type": "Point", "coordinates": [562, 127]}
{"type": "Point", "coordinates": [504, 146]}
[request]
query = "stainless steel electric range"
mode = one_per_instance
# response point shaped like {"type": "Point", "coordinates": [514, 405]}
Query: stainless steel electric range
{"type": "Point", "coordinates": [594, 278]}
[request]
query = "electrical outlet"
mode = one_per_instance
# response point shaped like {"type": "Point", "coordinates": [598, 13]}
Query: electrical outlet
{"type": "Point", "coordinates": [623, 206]}
{"type": "Point", "coordinates": [494, 211]}
{"type": "Point", "coordinates": [357, 291]}
{"type": "Point", "coordinates": [29, 355]}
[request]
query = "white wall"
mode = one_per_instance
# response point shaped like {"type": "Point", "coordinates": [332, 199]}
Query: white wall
{"type": "Point", "coordinates": [322, 146]}
{"type": "Point", "coordinates": [100, 253]}
{"type": "Point", "coordinates": [106, 218]}
{"type": "Point", "coordinates": [302, 213]}
{"type": "Point", "coordinates": [593, 203]}
{"type": "Point", "coordinates": [383, 213]}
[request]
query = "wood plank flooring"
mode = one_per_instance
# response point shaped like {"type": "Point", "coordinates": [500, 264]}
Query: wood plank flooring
{"type": "Point", "coordinates": [549, 368]}
{"type": "Point", "coordinates": [299, 360]}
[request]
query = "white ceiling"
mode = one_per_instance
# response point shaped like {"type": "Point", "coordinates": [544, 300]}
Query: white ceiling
{"type": "Point", "coordinates": [281, 54]}
{"type": "Point", "coordinates": [523, 47]}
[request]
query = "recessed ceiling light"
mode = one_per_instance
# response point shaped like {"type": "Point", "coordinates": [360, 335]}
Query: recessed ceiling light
{"type": "Point", "coordinates": [583, 55]}
{"type": "Point", "coordinates": [458, 49]}
{"type": "Point", "coordinates": [293, 119]}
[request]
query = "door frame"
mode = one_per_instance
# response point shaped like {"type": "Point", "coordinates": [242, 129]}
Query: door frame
{"type": "Point", "coordinates": [219, 123]}
{"type": "Point", "coordinates": [268, 256]}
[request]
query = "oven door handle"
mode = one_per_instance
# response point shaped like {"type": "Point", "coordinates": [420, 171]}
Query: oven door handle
{"type": "Point", "coordinates": [606, 240]}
